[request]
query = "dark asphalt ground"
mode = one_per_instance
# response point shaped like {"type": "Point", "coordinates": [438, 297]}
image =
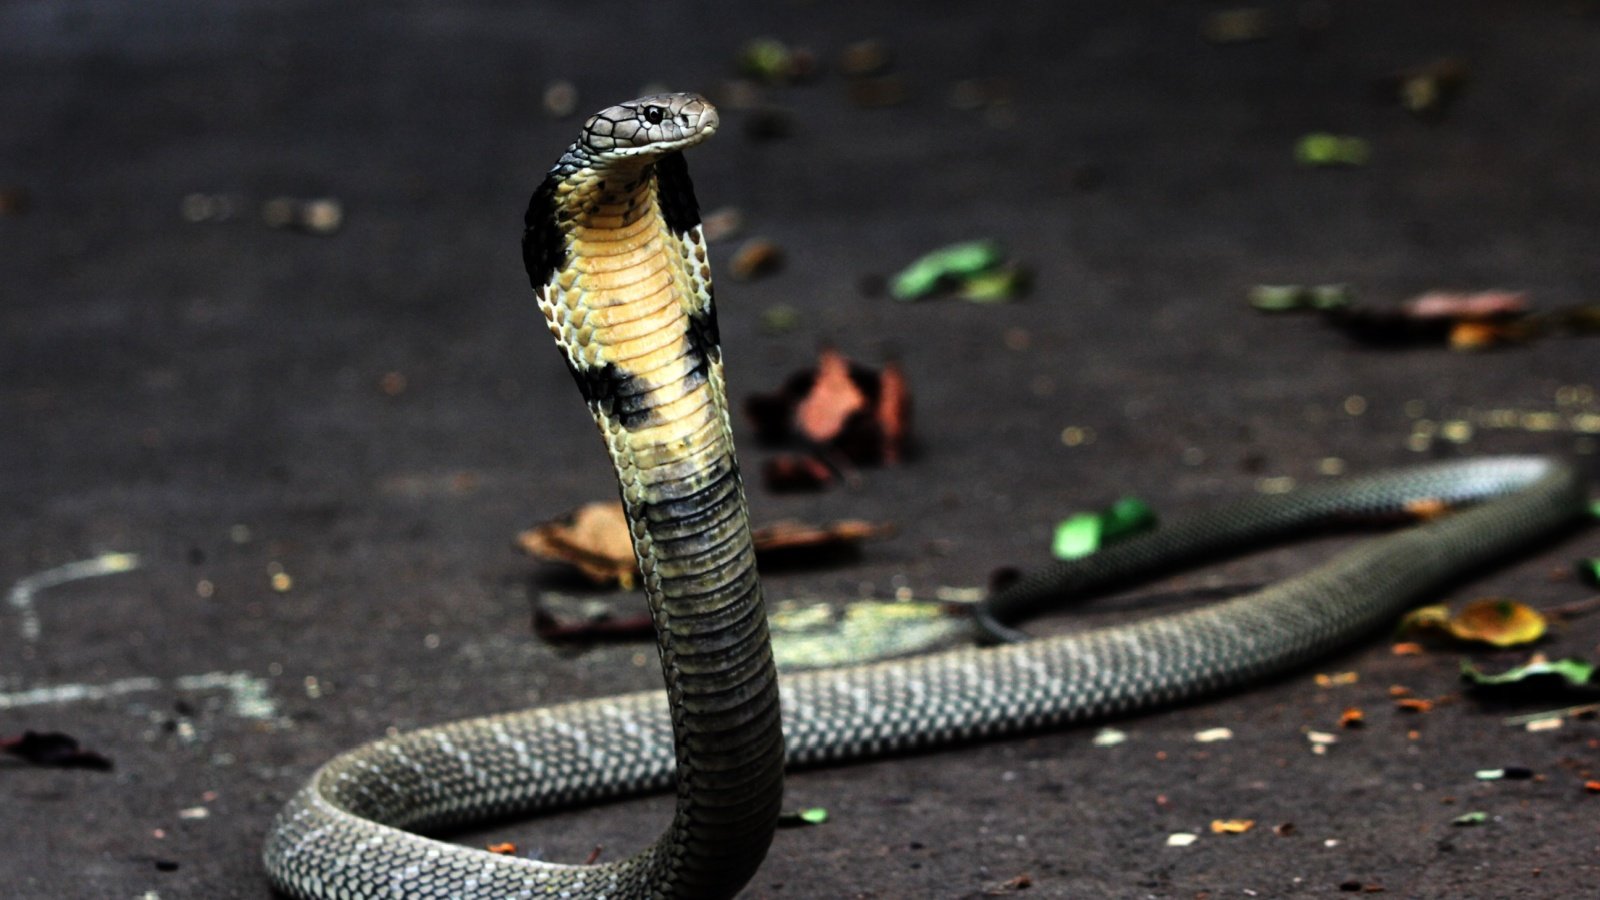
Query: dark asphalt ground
{"type": "Point", "coordinates": [218, 398]}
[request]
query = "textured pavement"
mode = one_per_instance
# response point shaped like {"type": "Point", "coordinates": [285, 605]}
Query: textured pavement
{"type": "Point", "coordinates": [321, 447]}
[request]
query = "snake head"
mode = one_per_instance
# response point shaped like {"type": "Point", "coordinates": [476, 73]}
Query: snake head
{"type": "Point", "coordinates": [650, 126]}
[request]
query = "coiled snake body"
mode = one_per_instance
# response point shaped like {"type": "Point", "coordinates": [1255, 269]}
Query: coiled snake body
{"type": "Point", "coordinates": [615, 255]}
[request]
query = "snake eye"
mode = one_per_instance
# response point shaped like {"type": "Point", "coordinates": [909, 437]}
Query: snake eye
{"type": "Point", "coordinates": [654, 114]}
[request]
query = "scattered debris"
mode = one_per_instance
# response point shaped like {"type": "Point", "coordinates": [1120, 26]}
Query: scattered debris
{"type": "Point", "coordinates": [1495, 621]}
{"type": "Point", "coordinates": [1232, 826]}
{"type": "Point", "coordinates": [1538, 675]}
{"type": "Point", "coordinates": [560, 99]}
{"type": "Point", "coordinates": [1406, 648]}
{"type": "Point", "coordinates": [801, 818]}
{"type": "Point", "coordinates": [1320, 741]}
{"type": "Point", "coordinates": [1470, 819]}
{"type": "Point", "coordinates": [1352, 717]}
{"type": "Point", "coordinates": [593, 538]}
{"type": "Point", "coordinates": [771, 61]}
{"type": "Point", "coordinates": [320, 216]}
{"type": "Point", "coordinates": [841, 412]}
{"type": "Point", "coordinates": [1338, 679]}
{"type": "Point", "coordinates": [1285, 829]}
{"type": "Point", "coordinates": [505, 848]}
{"type": "Point", "coordinates": [788, 542]}
{"type": "Point", "coordinates": [1296, 297]}
{"type": "Point", "coordinates": [974, 270]}
{"type": "Point", "coordinates": [1322, 149]}
{"type": "Point", "coordinates": [1413, 704]}
{"type": "Point", "coordinates": [818, 635]}
{"type": "Point", "coordinates": [1460, 320]}
{"type": "Point", "coordinates": [756, 258]}
{"type": "Point", "coordinates": [1015, 883]}
{"type": "Point", "coordinates": [721, 224]}
{"type": "Point", "coordinates": [200, 207]}
{"type": "Point", "coordinates": [1109, 737]}
{"type": "Point", "coordinates": [1509, 773]}
{"type": "Point", "coordinates": [779, 318]}
{"type": "Point", "coordinates": [1426, 91]}
{"type": "Point", "coordinates": [1213, 735]}
{"type": "Point", "coordinates": [1084, 533]}
{"type": "Point", "coordinates": [1181, 839]}
{"type": "Point", "coordinates": [52, 748]}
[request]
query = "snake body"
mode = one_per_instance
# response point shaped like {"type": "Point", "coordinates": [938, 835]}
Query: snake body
{"type": "Point", "coordinates": [618, 263]}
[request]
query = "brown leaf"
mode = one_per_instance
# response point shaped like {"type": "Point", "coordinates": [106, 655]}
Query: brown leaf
{"type": "Point", "coordinates": [594, 538]}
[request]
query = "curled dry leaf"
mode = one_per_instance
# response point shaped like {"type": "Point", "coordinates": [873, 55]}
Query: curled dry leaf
{"type": "Point", "coordinates": [594, 538]}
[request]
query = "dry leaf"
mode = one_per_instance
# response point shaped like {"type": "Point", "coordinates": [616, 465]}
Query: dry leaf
{"type": "Point", "coordinates": [1492, 620]}
{"type": "Point", "coordinates": [1503, 623]}
{"type": "Point", "coordinates": [1232, 826]}
{"type": "Point", "coordinates": [594, 538]}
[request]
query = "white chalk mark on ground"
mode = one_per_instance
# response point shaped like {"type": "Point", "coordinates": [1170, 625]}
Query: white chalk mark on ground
{"type": "Point", "coordinates": [22, 593]}
{"type": "Point", "coordinates": [248, 695]}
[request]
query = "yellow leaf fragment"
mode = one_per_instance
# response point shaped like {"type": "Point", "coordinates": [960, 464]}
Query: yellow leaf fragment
{"type": "Point", "coordinates": [1503, 623]}
{"type": "Point", "coordinates": [1232, 826]}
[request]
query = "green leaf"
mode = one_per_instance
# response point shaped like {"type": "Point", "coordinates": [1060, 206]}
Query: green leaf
{"type": "Point", "coordinates": [801, 818]}
{"type": "Point", "coordinates": [1471, 818]}
{"type": "Point", "coordinates": [953, 263]}
{"type": "Point", "coordinates": [1084, 533]}
{"type": "Point", "coordinates": [1575, 672]}
{"type": "Point", "coordinates": [1323, 149]}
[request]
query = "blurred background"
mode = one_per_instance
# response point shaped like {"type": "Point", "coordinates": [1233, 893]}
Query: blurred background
{"type": "Point", "coordinates": [270, 377]}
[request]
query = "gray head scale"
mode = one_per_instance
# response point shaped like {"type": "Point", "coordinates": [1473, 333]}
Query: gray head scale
{"type": "Point", "coordinates": [649, 126]}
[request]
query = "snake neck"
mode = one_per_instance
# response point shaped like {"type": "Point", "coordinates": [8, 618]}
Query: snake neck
{"type": "Point", "coordinates": [629, 303]}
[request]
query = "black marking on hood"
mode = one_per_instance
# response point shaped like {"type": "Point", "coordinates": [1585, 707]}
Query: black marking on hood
{"type": "Point", "coordinates": [544, 247]}
{"type": "Point", "coordinates": [675, 193]}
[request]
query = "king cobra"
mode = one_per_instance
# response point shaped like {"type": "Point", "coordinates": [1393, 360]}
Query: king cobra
{"type": "Point", "coordinates": [616, 257]}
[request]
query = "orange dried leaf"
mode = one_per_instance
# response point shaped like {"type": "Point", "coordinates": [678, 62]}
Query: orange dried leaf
{"type": "Point", "coordinates": [1406, 648]}
{"type": "Point", "coordinates": [1413, 704]}
{"type": "Point", "coordinates": [1232, 826]}
{"type": "Point", "coordinates": [833, 399]}
{"type": "Point", "coordinates": [1592, 787]}
{"type": "Point", "coordinates": [504, 849]}
{"type": "Point", "coordinates": [1352, 717]}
